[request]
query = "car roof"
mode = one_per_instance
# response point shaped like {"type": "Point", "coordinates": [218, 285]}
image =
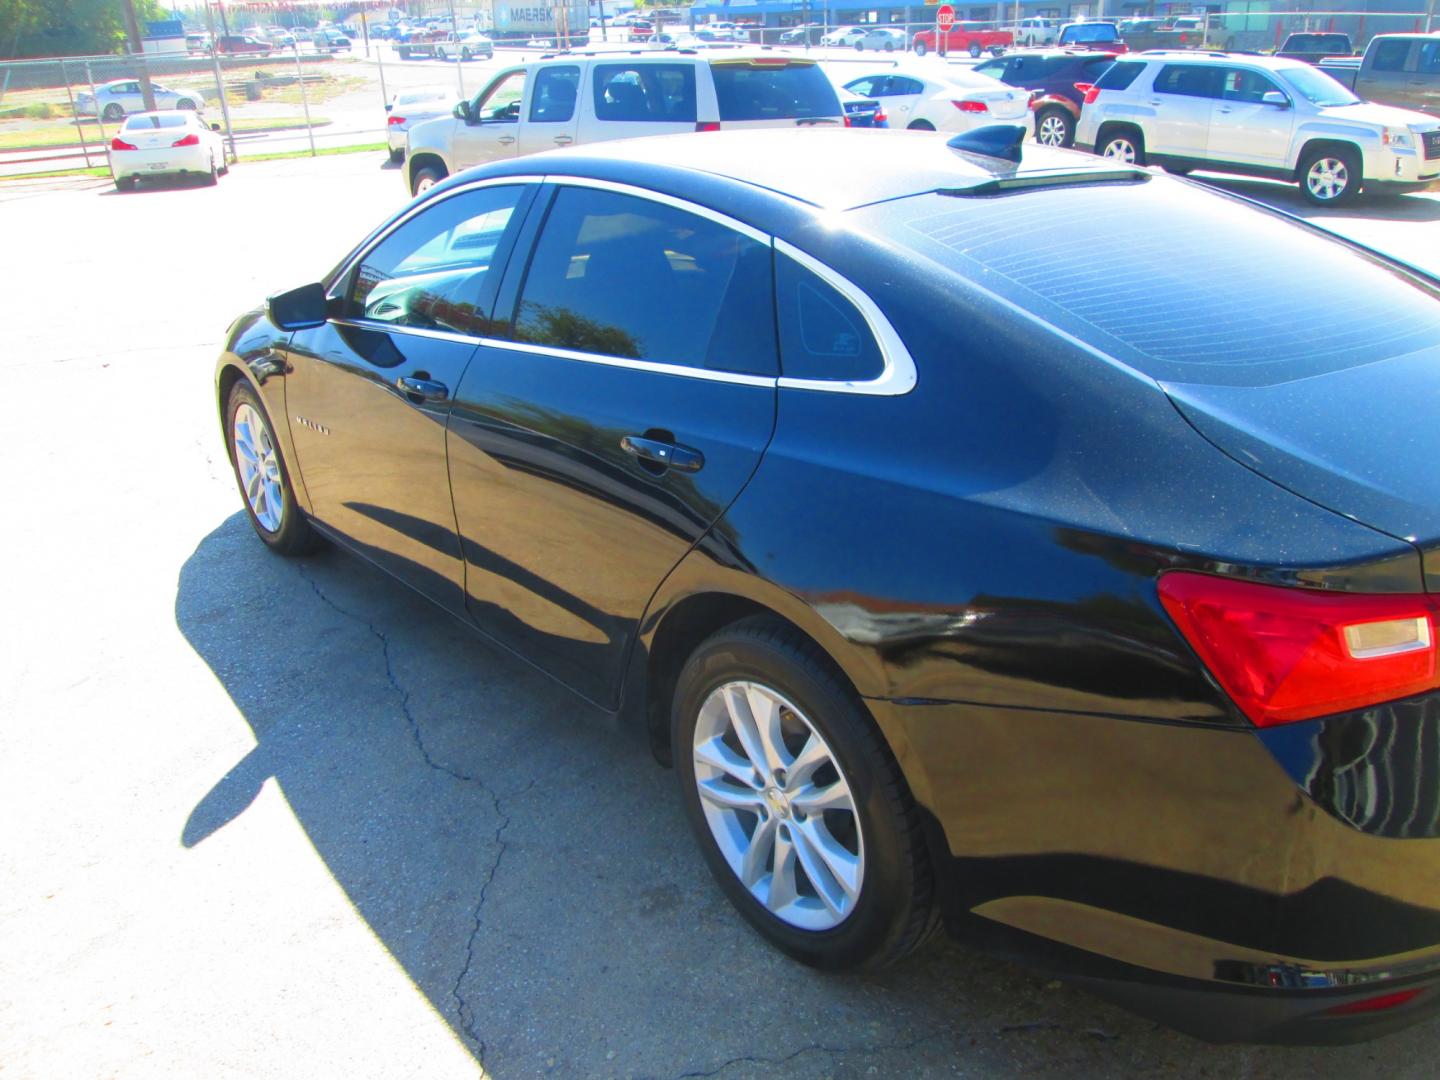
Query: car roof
{"type": "Point", "coordinates": [835, 169]}
{"type": "Point", "coordinates": [1194, 56]}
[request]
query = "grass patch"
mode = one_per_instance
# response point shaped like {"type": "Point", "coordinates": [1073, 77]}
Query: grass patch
{"type": "Point", "coordinates": [70, 134]}
{"type": "Point", "coordinates": [324, 151]}
{"type": "Point", "coordinates": [39, 110]}
{"type": "Point", "coordinates": [53, 173]}
{"type": "Point", "coordinates": [331, 86]}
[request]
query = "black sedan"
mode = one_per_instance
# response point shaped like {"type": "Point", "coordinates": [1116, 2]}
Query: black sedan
{"type": "Point", "coordinates": [965, 564]}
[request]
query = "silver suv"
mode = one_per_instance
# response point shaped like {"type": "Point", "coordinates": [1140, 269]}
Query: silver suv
{"type": "Point", "coordinates": [1260, 116]}
{"type": "Point", "coordinates": [594, 96]}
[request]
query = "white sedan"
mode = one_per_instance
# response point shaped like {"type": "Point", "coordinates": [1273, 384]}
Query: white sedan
{"type": "Point", "coordinates": [847, 36]}
{"type": "Point", "coordinates": [943, 98]}
{"type": "Point", "coordinates": [123, 96]}
{"type": "Point", "coordinates": [166, 144]}
{"type": "Point", "coordinates": [410, 107]}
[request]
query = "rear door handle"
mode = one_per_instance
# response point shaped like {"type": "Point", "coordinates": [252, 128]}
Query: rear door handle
{"type": "Point", "coordinates": [1224, 109]}
{"type": "Point", "coordinates": [506, 140]}
{"type": "Point", "coordinates": [666, 455]}
{"type": "Point", "coordinates": [422, 389]}
{"type": "Point", "coordinates": [564, 140]}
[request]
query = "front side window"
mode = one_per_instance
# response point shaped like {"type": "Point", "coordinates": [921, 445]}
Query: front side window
{"type": "Point", "coordinates": [616, 275]}
{"type": "Point", "coordinates": [500, 103]}
{"type": "Point", "coordinates": [1318, 88]}
{"type": "Point", "coordinates": [822, 334]}
{"type": "Point", "coordinates": [1430, 57]}
{"type": "Point", "coordinates": [428, 273]}
{"type": "Point", "coordinates": [1240, 84]}
{"type": "Point", "coordinates": [995, 69]}
{"type": "Point", "coordinates": [1391, 55]}
{"type": "Point", "coordinates": [1188, 80]}
{"type": "Point", "coordinates": [645, 93]}
{"type": "Point", "coordinates": [553, 101]}
{"type": "Point", "coordinates": [901, 86]}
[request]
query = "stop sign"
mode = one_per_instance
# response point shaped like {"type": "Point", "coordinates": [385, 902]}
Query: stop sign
{"type": "Point", "coordinates": [945, 17]}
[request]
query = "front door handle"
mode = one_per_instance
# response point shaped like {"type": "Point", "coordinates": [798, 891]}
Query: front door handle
{"type": "Point", "coordinates": [564, 140]}
{"type": "Point", "coordinates": [422, 389]}
{"type": "Point", "coordinates": [506, 140]}
{"type": "Point", "coordinates": [657, 456]}
{"type": "Point", "coordinates": [1224, 109]}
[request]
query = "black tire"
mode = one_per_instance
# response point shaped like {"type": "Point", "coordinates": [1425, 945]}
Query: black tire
{"type": "Point", "coordinates": [889, 46]}
{"type": "Point", "coordinates": [397, 156]}
{"type": "Point", "coordinates": [433, 173]}
{"type": "Point", "coordinates": [1054, 127]}
{"type": "Point", "coordinates": [1176, 170]}
{"type": "Point", "coordinates": [214, 177]}
{"type": "Point", "coordinates": [1130, 136]}
{"type": "Point", "coordinates": [295, 535]}
{"type": "Point", "coordinates": [859, 46]}
{"type": "Point", "coordinates": [1340, 162]}
{"type": "Point", "coordinates": [404, 52]}
{"type": "Point", "coordinates": [113, 112]}
{"type": "Point", "coordinates": [125, 183]}
{"type": "Point", "coordinates": [895, 909]}
{"type": "Point", "coordinates": [920, 125]}
{"type": "Point", "coordinates": [921, 48]}
{"type": "Point", "coordinates": [464, 54]}
{"type": "Point", "coordinates": [975, 49]}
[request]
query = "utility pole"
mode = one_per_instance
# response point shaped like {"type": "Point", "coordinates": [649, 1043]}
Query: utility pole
{"type": "Point", "coordinates": [132, 31]}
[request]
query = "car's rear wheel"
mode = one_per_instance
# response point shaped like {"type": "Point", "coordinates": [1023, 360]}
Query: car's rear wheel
{"type": "Point", "coordinates": [426, 178]}
{"type": "Point", "coordinates": [975, 48]}
{"type": "Point", "coordinates": [397, 156]}
{"type": "Point", "coordinates": [264, 481]}
{"type": "Point", "coordinates": [125, 183]}
{"type": "Point", "coordinates": [889, 46]}
{"type": "Point", "coordinates": [113, 111]}
{"type": "Point", "coordinates": [465, 54]}
{"type": "Point", "coordinates": [1054, 127]}
{"type": "Point", "coordinates": [920, 125]}
{"type": "Point", "coordinates": [1124, 145]}
{"type": "Point", "coordinates": [1330, 176]}
{"type": "Point", "coordinates": [920, 48]}
{"type": "Point", "coordinates": [214, 177]}
{"type": "Point", "coordinates": [798, 806]}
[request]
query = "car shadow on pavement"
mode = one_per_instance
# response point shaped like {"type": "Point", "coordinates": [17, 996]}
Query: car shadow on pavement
{"type": "Point", "coordinates": [158, 184]}
{"type": "Point", "coordinates": [531, 870]}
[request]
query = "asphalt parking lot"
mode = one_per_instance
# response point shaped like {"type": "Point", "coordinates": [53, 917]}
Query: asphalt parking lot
{"type": "Point", "coordinates": [274, 818]}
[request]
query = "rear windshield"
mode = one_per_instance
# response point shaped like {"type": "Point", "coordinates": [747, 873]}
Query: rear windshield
{"type": "Point", "coordinates": [1092, 32]}
{"type": "Point", "coordinates": [1316, 42]}
{"type": "Point", "coordinates": [773, 93]}
{"type": "Point", "coordinates": [150, 123]}
{"type": "Point", "coordinates": [1119, 75]}
{"type": "Point", "coordinates": [1200, 290]}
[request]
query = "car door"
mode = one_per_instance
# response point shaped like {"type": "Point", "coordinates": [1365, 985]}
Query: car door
{"type": "Point", "coordinates": [1390, 72]}
{"type": "Point", "coordinates": [1243, 128]}
{"type": "Point", "coordinates": [1424, 81]}
{"type": "Point", "coordinates": [1182, 97]}
{"type": "Point", "coordinates": [492, 131]}
{"type": "Point", "coordinates": [627, 405]}
{"type": "Point", "coordinates": [368, 393]}
{"type": "Point", "coordinates": [127, 94]}
{"type": "Point", "coordinates": [551, 115]}
{"type": "Point", "coordinates": [900, 95]}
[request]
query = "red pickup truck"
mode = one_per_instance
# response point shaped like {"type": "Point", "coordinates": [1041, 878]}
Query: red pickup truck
{"type": "Point", "coordinates": [964, 37]}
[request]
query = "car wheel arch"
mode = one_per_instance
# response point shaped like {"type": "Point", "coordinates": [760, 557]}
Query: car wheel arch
{"type": "Point", "coordinates": [1330, 143]}
{"type": "Point", "coordinates": [420, 160]}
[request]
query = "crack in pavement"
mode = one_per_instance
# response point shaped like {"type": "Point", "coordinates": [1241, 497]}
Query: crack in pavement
{"type": "Point", "coordinates": [464, 1010]}
{"type": "Point", "coordinates": [813, 1048]}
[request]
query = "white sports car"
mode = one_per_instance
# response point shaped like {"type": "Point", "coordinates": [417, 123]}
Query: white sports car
{"type": "Point", "coordinates": [166, 144]}
{"type": "Point", "coordinates": [122, 97]}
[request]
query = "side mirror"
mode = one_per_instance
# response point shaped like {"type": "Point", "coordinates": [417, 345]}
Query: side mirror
{"type": "Point", "coordinates": [214, 127]}
{"type": "Point", "coordinates": [1276, 98]}
{"type": "Point", "coordinates": [299, 309]}
{"type": "Point", "coordinates": [462, 112]}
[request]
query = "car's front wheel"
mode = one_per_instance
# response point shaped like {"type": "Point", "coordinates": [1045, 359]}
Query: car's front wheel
{"type": "Point", "coordinates": [1330, 176]}
{"type": "Point", "coordinates": [426, 178]}
{"type": "Point", "coordinates": [113, 111]}
{"type": "Point", "coordinates": [260, 471]}
{"type": "Point", "coordinates": [1054, 127]}
{"type": "Point", "coordinates": [1124, 145]}
{"type": "Point", "coordinates": [920, 48]}
{"type": "Point", "coordinates": [975, 49]}
{"type": "Point", "coordinates": [920, 125]}
{"type": "Point", "coordinates": [796, 801]}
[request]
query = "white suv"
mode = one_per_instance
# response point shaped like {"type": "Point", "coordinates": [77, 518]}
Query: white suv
{"type": "Point", "coordinates": [1260, 116]}
{"type": "Point", "coordinates": [593, 96]}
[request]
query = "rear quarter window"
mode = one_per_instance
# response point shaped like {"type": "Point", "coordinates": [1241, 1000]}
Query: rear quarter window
{"type": "Point", "coordinates": [792, 92]}
{"type": "Point", "coordinates": [1120, 75]}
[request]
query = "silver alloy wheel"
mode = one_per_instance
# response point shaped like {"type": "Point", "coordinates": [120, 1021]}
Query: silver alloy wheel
{"type": "Point", "coordinates": [1328, 178]}
{"type": "Point", "coordinates": [1120, 149]}
{"type": "Point", "coordinates": [424, 184]}
{"type": "Point", "coordinates": [259, 466]}
{"type": "Point", "coordinates": [778, 805]}
{"type": "Point", "coordinates": [1052, 130]}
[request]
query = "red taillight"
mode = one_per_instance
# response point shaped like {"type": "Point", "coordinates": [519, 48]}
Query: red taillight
{"type": "Point", "coordinates": [707, 125]}
{"type": "Point", "coordinates": [1090, 90]}
{"type": "Point", "coordinates": [189, 140]}
{"type": "Point", "coordinates": [1376, 1004]}
{"type": "Point", "coordinates": [395, 120]}
{"type": "Point", "coordinates": [1288, 654]}
{"type": "Point", "coordinates": [881, 118]}
{"type": "Point", "coordinates": [118, 143]}
{"type": "Point", "coordinates": [847, 120]}
{"type": "Point", "coordinates": [971, 106]}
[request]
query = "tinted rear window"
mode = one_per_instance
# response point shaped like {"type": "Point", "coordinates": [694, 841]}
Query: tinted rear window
{"type": "Point", "coordinates": [1119, 76]}
{"type": "Point", "coordinates": [150, 123]}
{"type": "Point", "coordinates": [773, 93]}
{"type": "Point", "coordinates": [1094, 32]}
{"type": "Point", "coordinates": [1201, 290]}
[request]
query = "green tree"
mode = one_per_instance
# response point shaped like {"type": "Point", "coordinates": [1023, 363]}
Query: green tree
{"type": "Point", "coordinates": [68, 27]}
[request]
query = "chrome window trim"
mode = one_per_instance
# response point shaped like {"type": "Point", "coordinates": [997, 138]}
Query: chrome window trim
{"type": "Point", "coordinates": [415, 208]}
{"type": "Point", "coordinates": [665, 200]}
{"type": "Point", "coordinates": [898, 375]}
{"type": "Point", "coordinates": [411, 331]}
{"type": "Point", "coordinates": [652, 366]}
